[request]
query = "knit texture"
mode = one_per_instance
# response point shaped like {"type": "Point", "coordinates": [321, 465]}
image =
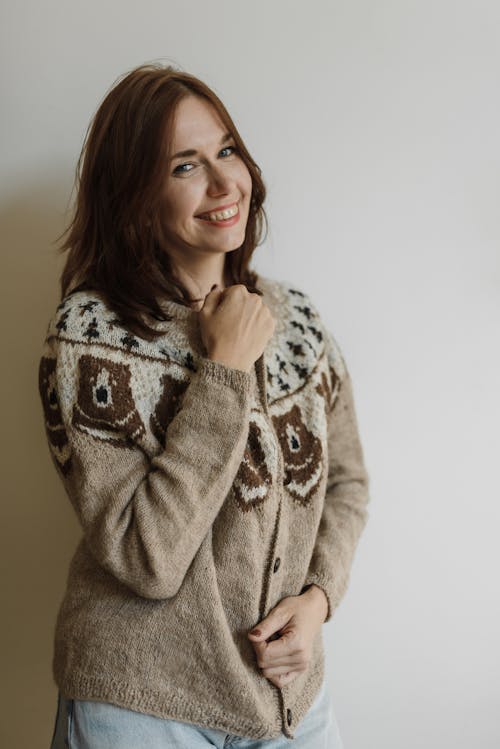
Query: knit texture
{"type": "Point", "coordinates": [205, 495]}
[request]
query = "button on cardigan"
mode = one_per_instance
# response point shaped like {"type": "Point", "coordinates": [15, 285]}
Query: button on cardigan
{"type": "Point", "coordinates": [205, 495]}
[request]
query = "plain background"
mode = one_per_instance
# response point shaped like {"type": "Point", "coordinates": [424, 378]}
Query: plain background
{"type": "Point", "coordinates": [376, 125]}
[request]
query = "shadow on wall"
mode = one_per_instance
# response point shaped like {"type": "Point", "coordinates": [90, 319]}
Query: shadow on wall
{"type": "Point", "coordinates": [40, 530]}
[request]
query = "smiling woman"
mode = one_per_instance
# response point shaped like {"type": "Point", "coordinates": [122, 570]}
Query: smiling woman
{"type": "Point", "coordinates": [201, 419]}
{"type": "Point", "coordinates": [207, 199]}
{"type": "Point", "coordinates": [138, 233]}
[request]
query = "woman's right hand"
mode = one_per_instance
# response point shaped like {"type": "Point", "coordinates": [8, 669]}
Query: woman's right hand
{"type": "Point", "coordinates": [235, 326]}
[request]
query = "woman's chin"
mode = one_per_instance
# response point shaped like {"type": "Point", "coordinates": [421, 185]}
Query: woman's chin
{"type": "Point", "coordinates": [228, 244]}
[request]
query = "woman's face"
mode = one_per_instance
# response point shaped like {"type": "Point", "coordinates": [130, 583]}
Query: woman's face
{"type": "Point", "coordinates": [208, 186]}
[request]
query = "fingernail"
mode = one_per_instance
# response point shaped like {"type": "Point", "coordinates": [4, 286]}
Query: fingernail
{"type": "Point", "coordinates": [256, 632]}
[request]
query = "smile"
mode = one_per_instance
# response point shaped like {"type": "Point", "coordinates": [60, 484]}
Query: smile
{"type": "Point", "coordinates": [222, 217]}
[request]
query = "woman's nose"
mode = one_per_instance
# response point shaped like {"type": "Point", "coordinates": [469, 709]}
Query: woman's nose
{"type": "Point", "coordinates": [219, 182]}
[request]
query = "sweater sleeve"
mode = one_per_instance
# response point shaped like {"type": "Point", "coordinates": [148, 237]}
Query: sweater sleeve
{"type": "Point", "coordinates": [144, 518]}
{"type": "Point", "coordinates": [344, 514]}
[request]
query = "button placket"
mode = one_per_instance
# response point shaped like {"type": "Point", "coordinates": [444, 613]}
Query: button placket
{"type": "Point", "coordinates": [261, 369]}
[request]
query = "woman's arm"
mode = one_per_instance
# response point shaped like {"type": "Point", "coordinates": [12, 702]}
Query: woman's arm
{"type": "Point", "coordinates": [144, 519]}
{"type": "Point", "coordinates": [344, 514]}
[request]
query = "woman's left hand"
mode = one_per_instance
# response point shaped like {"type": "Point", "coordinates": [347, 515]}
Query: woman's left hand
{"type": "Point", "coordinates": [296, 620]}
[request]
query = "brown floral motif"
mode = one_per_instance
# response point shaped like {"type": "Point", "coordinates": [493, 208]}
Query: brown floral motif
{"type": "Point", "coordinates": [335, 380]}
{"type": "Point", "coordinates": [323, 389]}
{"type": "Point", "coordinates": [253, 481]}
{"type": "Point", "coordinates": [54, 427]}
{"type": "Point", "coordinates": [105, 407]}
{"type": "Point", "coordinates": [168, 405]}
{"type": "Point", "coordinates": [302, 455]}
{"type": "Point", "coordinates": [326, 389]}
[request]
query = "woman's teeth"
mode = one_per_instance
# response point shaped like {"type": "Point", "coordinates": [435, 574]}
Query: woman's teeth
{"type": "Point", "coordinates": [221, 215]}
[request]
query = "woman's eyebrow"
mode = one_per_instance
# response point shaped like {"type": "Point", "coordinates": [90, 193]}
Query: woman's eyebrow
{"type": "Point", "coordinates": [193, 152]}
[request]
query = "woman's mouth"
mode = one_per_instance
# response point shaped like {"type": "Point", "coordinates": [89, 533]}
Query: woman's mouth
{"type": "Point", "coordinates": [226, 217]}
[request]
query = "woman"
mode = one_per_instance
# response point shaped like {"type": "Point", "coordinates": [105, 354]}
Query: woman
{"type": "Point", "coordinates": [201, 418]}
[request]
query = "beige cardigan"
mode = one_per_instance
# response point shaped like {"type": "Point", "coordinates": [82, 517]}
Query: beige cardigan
{"type": "Point", "coordinates": [205, 494]}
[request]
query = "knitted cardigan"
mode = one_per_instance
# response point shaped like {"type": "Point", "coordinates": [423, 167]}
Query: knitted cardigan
{"type": "Point", "coordinates": [205, 495]}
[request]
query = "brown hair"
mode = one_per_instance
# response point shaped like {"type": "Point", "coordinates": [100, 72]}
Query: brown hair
{"type": "Point", "coordinates": [115, 241]}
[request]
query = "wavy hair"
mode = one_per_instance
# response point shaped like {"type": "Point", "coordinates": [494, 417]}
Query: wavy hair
{"type": "Point", "coordinates": [115, 242]}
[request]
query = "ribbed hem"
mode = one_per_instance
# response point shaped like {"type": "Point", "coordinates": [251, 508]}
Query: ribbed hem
{"type": "Point", "coordinates": [171, 706]}
{"type": "Point", "coordinates": [218, 372]}
{"type": "Point", "coordinates": [174, 705]}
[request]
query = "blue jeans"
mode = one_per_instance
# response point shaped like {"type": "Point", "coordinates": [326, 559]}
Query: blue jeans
{"type": "Point", "coordinates": [84, 724]}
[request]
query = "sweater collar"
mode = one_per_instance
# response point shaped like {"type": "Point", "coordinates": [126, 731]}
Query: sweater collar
{"type": "Point", "coordinates": [177, 310]}
{"type": "Point", "coordinates": [182, 312]}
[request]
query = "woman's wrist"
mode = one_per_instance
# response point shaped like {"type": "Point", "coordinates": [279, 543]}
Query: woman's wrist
{"type": "Point", "coordinates": [316, 594]}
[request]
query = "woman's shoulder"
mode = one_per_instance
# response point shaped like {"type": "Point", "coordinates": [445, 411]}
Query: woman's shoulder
{"type": "Point", "coordinates": [300, 331]}
{"type": "Point", "coordinates": [85, 324]}
{"type": "Point", "coordinates": [81, 315]}
{"type": "Point", "coordinates": [289, 297]}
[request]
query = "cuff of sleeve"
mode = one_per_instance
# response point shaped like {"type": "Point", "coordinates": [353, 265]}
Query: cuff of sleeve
{"type": "Point", "coordinates": [325, 585]}
{"type": "Point", "coordinates": [238, 379]}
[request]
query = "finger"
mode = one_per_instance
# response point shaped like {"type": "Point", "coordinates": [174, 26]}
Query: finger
{"type": "Point", "coordinates": [212, 298]}
{"type": "Point", "coordinates": [277, 670]}
{"type": "Point", "coordinates": [284, 679]}
{"type": "Point", "coordinates": [284, 647]}
{"type": "Point", "coordinates": [288, 678]}
{"type": "Point", "coordinates": [291, 661]}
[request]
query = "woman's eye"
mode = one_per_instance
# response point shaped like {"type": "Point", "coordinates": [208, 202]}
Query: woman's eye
{"type": "Point", "coordinates": [189, 166]}
{"type": "Point", "coordinates": [227, 151]}
{"type": "Point", "coordinates": [183, 168]}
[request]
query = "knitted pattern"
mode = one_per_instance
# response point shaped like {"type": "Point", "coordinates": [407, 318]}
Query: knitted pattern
{"type": "Point", "coordinates": [205, 494]}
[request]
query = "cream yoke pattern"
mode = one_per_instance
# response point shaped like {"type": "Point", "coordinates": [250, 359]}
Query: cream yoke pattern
{"type": "Point", "coordinates": [205, 495]}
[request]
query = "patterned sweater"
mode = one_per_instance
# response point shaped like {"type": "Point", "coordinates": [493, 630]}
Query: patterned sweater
{"type": "Point", "coordinates": [205, 495]}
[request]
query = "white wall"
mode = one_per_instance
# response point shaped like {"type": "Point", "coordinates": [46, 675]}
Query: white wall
{"type": "Point", "coordinates": [376, 125]}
